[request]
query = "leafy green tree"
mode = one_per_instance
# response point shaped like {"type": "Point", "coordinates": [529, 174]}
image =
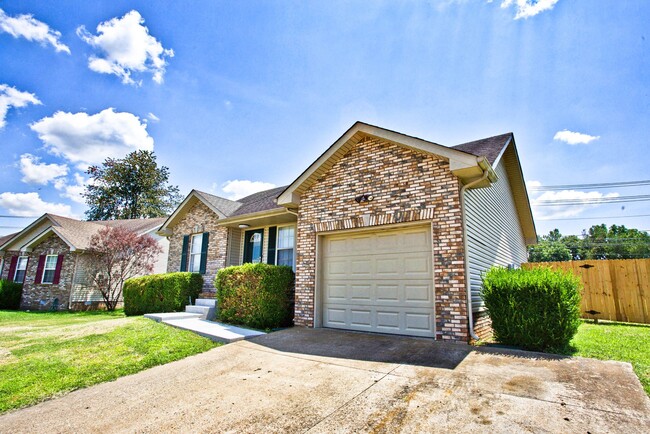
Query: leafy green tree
{"type": "Point", "coordinates": [617, 242]}
{"type": "Point", "coordinates": [129, 188]}
{"type": "Point", "coordinates": [549, 248]}
{"type": "Point", "coordinates": [599, 242]}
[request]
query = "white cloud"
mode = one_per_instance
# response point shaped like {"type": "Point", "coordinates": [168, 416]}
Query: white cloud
{"type": "Point", "coordinates": [573, 138]}
{"type": "Point", "coordinates": [236, 189]}
{"type": "Point", "coordinates": [35, 172]}
{"type": "Point", "coordinates": [12, 97]}
{"type": "Point", "coordinates": [152, 117]}
{"type": "Point", "coordinates": [31, 29]}
{"type": "Point", "coordinates": [90, 139]}
{"type": "Point", "coordinates": [529, 8]}
{"type": "Point", "coordinates": [124, 46]}
{"type": "Point", "coordinates": [562, 211]}
{"type": "Point", "coordinates": [31, 204]}
{"type": "Point", "coordinates": [72, 191]}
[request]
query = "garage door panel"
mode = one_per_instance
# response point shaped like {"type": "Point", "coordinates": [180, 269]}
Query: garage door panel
{"type": "Point", "coordinates": [361, 268]}
{"type": "Point", "coordinates": [336, 317]}
{"type": "Point", "coordinates": [361, 292]}
{"type": "Point", "coordinates": [361, 318]}
{"type": "Point", "coordinates": [379, 281]}
{"type": "Point", "coordinates": [418, 322]}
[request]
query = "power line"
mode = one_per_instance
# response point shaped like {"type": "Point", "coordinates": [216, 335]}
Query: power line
{"type": "Point", "coordinates": [588, 186]}
{"type": "Point", "coordinates": [594, 218]}
{"type": "Point", "coordinates": [590, 201]}
{"type": "Point", "coordinates": [18, 217]}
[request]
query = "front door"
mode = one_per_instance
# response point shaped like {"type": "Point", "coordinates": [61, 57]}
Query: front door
{"type": "Point", "coordinates": [253, 241]}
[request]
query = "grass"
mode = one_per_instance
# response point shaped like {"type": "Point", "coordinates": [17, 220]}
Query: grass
{"type": "Point", "coordinates": [615, 341]}
{"type": "Point", "coordinates": [43, 355]}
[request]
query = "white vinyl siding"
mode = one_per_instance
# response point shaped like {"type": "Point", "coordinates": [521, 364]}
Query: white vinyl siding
{"type": "Point", "coordinates": [49, 269]}
{"type": "Point", "coordinates": [494, 234]}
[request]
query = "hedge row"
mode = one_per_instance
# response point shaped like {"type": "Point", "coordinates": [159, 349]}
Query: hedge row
{"type": "Point", "coordinates": [256, 295]}
{"type": "Point", "coordinates": [10, 294]}
{"type": "Point", "coordinates": [161, 292]}
{"type": "Point", "coordinates": [537, 309]}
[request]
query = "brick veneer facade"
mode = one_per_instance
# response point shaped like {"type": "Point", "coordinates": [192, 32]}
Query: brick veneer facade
{"type": "Point", "coordinates": [407, 186]}
{"type": "Point", "coordinates": [202, 216]}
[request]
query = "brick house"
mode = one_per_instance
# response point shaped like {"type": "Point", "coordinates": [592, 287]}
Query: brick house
{"type": "Point", "coordinates": [386, 232]}
{"type": "Point", "coordinates": [48, 258]}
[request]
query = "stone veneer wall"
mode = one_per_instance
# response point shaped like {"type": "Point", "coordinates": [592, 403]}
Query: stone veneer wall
{"type": "Point", "coordinates": [41, 296]}
{"type": "Point", "coordinates": [407, 186]}
{"type": "Point", "coordinates": [203, 216]}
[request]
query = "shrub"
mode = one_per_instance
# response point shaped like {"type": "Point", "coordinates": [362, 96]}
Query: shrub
{"type": "Point", "coordinates": [10, 294]}
{"type": "Point", "coordinates": [256, 295]}
{"type": "Point", "coordinates": [537, 309]}
{"type": "Point", "coordinates": [161, 292]}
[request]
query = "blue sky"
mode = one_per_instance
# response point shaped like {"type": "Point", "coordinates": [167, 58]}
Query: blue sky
{"type": "Point", "coordinates": [234, 96]}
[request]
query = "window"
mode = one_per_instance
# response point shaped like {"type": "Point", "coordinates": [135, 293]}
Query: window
{"type": "Point", "coordinates": [49, 268]}
{"type": "Point", "coordinates": [286, 237]}
{"type": "Point", "coordinates": [21, 269]}
{"type": "Point", "coordinates": [195, 253]}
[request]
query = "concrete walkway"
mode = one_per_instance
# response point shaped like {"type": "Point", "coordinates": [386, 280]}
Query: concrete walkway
{"type": "Point", "coordinates": [323, 381]}
{"type": "Point", "coordinates": [216, 331]}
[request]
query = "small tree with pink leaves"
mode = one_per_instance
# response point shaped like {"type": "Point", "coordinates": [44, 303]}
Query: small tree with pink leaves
{"type": "Point", "coordinates": [117, 254]}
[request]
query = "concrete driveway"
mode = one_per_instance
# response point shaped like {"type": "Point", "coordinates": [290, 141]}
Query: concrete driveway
{"type": "Point", "coordinates": [304, 380]}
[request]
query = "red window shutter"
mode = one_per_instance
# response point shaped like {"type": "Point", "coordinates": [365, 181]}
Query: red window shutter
{"type": "Point", "coordinates": [12, 268]}
{"type": "Point", "coordinates": [57, 270]}
{"type": "Point", "coordinates": [39, 269]}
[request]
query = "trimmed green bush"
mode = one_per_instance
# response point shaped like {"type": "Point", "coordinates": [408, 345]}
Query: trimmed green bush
{"type": "Point", "coordinates": [537, 309]}
{"type": "Point", "coordinates": [10, 294]}
{"type": "Point", "coordinates": [161, 292]}
{"type": "Point", "coordinates": [256, 295]}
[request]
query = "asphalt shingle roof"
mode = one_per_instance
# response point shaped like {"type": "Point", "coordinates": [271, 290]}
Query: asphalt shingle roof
{"type": "Point", "coordinates": [260, 201]}
{"type": "Point", "coordinates": [489, 148]}
{"type": "Point", "coordinates": [78, 232]}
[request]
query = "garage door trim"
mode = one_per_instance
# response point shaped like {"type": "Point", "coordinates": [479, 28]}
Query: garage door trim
{"type": "Point", "coordinates": [318, 289]}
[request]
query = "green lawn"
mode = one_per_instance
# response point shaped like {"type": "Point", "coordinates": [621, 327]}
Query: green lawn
{"type": "Point", "coordinates": [616, 341]}
{"type": "Point", "coordinates": [43, 355]}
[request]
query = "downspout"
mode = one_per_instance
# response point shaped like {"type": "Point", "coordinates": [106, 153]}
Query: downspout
{"type": "Point", "coordinates": [468, 283]}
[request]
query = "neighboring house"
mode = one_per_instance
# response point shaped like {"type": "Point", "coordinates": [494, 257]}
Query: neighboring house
{"type": "Point", "coordinates": [386, 232]}
{"type": "Point", "coordinates": [49, 258]}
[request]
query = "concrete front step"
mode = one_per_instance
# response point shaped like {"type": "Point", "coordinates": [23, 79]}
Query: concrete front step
{"type": "Point", "coordinates": [210, 302]}
{"type": "Point", "coordinates": [215, 331]}
{"type": "Point", "coordinates": [158, 317]}
{"type": "Point", "coordinates": [206, 312]}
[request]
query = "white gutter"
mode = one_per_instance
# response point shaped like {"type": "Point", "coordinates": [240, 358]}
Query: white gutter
{"type": "Point", "coordinates": [468, 283]}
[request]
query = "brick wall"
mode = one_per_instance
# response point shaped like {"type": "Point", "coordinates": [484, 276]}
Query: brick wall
{"type": "Point", "coordinates": [203, 216]}
{"type": "Point", "coordinates": [482, 325]}
{"type": "Point", "coordinates": [41, 296]}
{"type": "Point", "coordinates": [407, 186]}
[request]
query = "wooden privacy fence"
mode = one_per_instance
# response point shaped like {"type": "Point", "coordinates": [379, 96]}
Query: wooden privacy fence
{"type": "Point", "coordinates": [619, 289]}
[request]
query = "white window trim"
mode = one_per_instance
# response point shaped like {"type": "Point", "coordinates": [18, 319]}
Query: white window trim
{"type": "Point", "coordinates": [43, 282]}
{"type": "Point", "coordinates": [277, 239]}
{"type": "Point", "coordinates": [192, 254]}
{"type": "Point", "coordinates": [19, 269]}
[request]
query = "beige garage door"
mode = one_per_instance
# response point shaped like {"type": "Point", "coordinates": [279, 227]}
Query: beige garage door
{"type": "Point", "coordinates": [380, 281]}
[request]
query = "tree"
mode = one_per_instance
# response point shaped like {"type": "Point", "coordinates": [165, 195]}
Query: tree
{"type": "Point", "coordinates": [129, 188]}
{"type": "Point", "coordinates": [117, 254]}
{"type": "Point", "coordinates": [549, 248]}
{"type": "Point", "coordinates": [599, 242]}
